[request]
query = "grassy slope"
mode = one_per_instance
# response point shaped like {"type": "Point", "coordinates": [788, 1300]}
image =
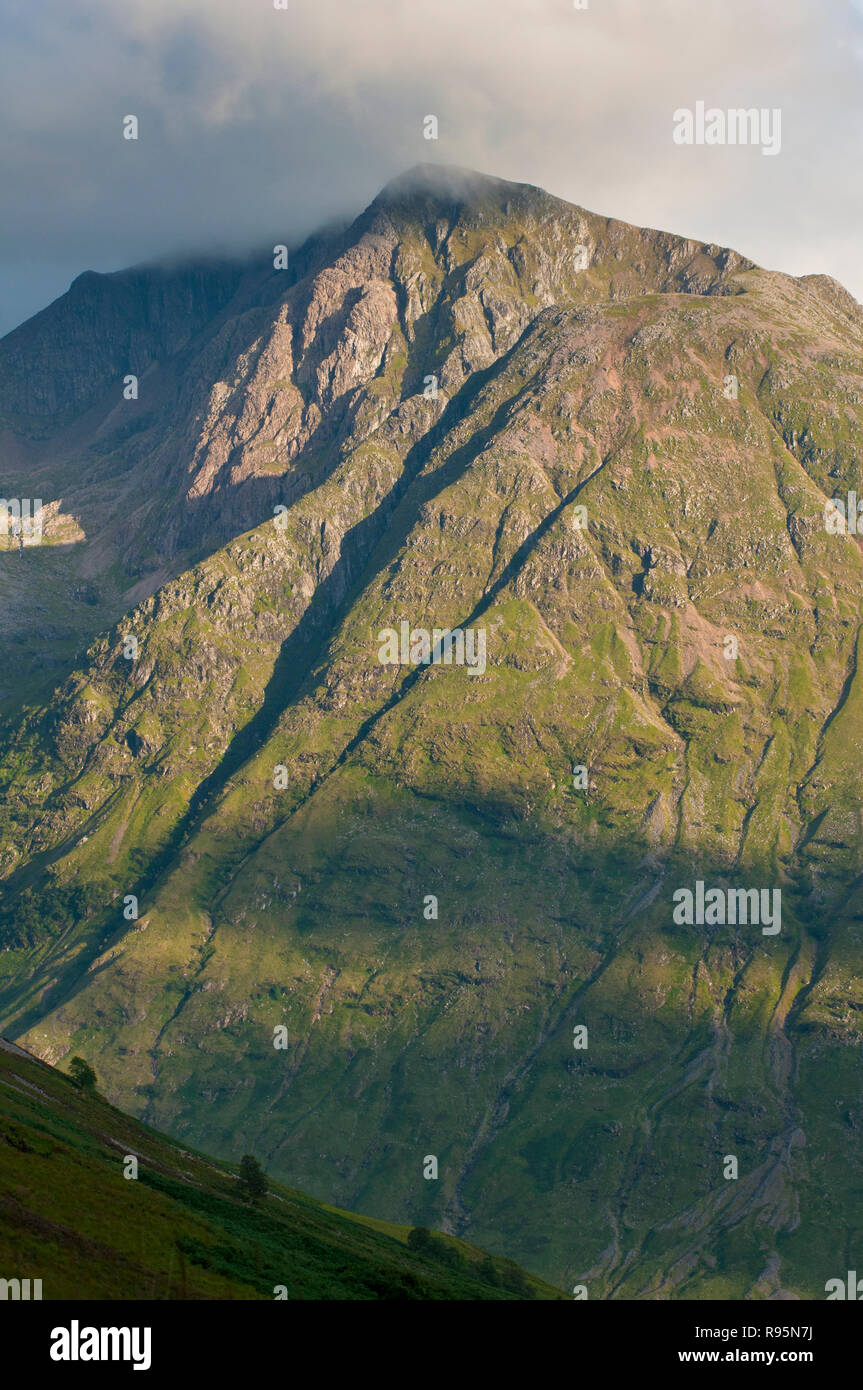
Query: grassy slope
{"type": "Point", "coordinates": [69, 1217]}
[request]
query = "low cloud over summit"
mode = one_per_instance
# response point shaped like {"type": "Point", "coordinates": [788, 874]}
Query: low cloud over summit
{"type": "Point", "coordinates": [259, 124]}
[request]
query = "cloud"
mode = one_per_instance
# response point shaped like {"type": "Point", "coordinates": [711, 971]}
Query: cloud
{"type": "Point", "coordinates": [257, 124]}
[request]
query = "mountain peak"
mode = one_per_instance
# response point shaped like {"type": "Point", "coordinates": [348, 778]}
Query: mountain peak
{"type": "Point", "coordinates": [452, 184]}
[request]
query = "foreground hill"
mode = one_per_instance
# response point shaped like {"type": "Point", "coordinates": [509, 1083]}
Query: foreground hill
{"type": "Point", "coordinates": [180, 1230]}
{"type": "Point", "coordinates": [609, 449]}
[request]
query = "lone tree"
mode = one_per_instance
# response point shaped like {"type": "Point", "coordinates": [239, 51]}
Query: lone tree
{"type": "Point", "coordinates": [252, 1181]}
{"type": "Point", "coordinates": [421, 1240]}
{"type": "Point", "coordinates": [83, 1075]}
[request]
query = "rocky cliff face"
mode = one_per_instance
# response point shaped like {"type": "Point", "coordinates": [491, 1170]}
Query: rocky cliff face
{"type": "Point", "coordinates": [65, 358]}
{"type": "Point", "coordinates": [609, 451]}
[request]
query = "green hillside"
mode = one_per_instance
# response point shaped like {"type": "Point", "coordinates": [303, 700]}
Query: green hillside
{"type": "Point", "coordinates": [180, 1229]}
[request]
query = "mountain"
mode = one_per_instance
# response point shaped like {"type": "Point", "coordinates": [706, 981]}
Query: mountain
{"type": "Point", "coordinates": [609, 451]}
{"type": "Point", "coordinates": [181, 1229]}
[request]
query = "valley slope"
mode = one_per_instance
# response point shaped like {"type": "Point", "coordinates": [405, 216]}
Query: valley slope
{"type": "Point", "coordinates": [73, 1217]}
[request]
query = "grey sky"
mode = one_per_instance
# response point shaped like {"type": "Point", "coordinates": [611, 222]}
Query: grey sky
{"type": "Point", "coordinates": [258, 124]}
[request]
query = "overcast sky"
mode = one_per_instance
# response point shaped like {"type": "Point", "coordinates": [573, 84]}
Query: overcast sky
{"type": "Point", "coordinates": [256, 124]}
